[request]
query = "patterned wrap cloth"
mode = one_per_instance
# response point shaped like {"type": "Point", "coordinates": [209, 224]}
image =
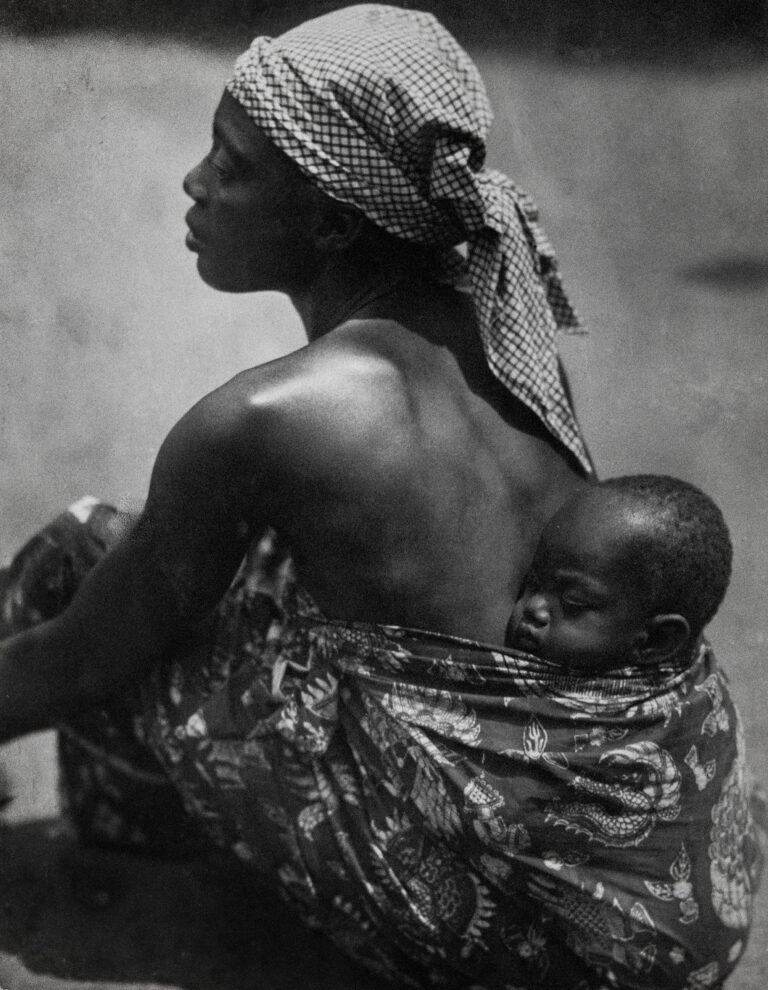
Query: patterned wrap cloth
{"type": "Point", "coordinates": [381, 109]}
{"type": "Point", "coordinates": [450, 814]}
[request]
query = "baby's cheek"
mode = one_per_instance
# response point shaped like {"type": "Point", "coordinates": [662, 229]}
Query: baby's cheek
{"type": "Point", "coordinates": [585, 639]}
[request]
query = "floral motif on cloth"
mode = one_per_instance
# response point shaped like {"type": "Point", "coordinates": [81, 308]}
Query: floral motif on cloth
{"type": "Point", "coordinates": [454, 814]}
{"type": "Point", "coordinates": [450, 814]}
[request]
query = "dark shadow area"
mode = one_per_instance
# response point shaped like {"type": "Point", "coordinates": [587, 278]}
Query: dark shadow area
{"type": "Point", "coordinates": [205, 924]}
{"type": "Point", "coordinates": [710, 32]}
{"type": "Point", "coordinates": [736, 273]}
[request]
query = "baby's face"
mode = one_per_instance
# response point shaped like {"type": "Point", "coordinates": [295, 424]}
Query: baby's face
{"type": "Point", "coordinates": [580, 605]}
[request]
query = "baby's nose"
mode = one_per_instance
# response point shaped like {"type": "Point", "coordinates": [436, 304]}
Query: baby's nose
{"type": "Point", "coordinates": [536, 610]}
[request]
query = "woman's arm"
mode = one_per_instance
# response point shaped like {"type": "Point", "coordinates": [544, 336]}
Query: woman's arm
{"type": "Point", "coordinates": [151, 590]}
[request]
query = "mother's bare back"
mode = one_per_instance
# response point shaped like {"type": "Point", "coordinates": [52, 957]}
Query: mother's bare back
{"type": "Point", "coordinates": [409, 486]}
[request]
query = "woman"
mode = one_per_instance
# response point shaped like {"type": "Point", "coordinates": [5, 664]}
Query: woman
{"type": "Point", "coordinates": [425, 428]}
{"type": "Point", "coordinates": [386, 454]}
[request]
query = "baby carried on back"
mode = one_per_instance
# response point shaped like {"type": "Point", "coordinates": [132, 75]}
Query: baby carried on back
{"type": "Point", "coordinates": [569, 812]}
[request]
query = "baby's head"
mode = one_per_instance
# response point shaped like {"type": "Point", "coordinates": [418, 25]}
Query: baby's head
{"type": "Point", "coordinates": [627, 571]}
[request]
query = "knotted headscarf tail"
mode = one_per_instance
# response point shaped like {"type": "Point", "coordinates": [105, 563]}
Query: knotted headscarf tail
{"type": "Point", "coordinates": [383, 110]}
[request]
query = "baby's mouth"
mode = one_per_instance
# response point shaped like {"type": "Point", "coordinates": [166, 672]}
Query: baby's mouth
{"type": "Point", "coordinates": [525, 639]}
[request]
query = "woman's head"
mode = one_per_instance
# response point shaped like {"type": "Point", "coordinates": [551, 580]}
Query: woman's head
{"type": "Point", "coordinates": [343, 116]}
{"type": "Point", "coordinates": [381, 109]}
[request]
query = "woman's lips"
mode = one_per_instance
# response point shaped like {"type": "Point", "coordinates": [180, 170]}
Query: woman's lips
{"type": "Point", "coordinates": [192, 241]}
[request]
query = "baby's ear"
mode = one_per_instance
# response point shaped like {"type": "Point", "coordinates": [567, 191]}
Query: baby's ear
{"type": "Point", "coordinates": [663, 637]}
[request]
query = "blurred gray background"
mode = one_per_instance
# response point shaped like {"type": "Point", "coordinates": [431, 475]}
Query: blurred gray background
{"type": "Point", "coordinates": [641, 134]}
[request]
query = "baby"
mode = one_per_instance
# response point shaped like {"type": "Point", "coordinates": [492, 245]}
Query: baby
{"type": "Point", "coordinates": [627, 572]}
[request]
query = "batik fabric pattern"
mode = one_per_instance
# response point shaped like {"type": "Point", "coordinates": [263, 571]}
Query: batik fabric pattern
{"type": "Point", "coordinates": [453, 814]}
{"type": "Point", "coordinates": [450, 814]}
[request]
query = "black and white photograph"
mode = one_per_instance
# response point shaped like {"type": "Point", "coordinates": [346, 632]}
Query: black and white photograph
{"type": "Point", "coordinates": [383, 527]}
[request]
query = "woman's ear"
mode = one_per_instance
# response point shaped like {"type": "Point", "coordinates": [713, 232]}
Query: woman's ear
{"type": "Point", "coordinates": [337, 226]}
{"type": "Point", "coordinates": [663, 637]}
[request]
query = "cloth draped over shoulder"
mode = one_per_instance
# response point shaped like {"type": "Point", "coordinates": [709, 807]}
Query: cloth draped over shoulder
{"type": "Point", "coordinates": [383, 110]}
{"type": "Point", "coordinates": [455, 814]}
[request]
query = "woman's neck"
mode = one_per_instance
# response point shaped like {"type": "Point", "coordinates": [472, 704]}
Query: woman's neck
{"type": "Point", "coordinates": [354, 285]}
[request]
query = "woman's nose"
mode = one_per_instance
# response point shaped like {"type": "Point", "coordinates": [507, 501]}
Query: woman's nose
{"type": "Point", "coordinates": [193, 183]}
{"type": "Point", "coordinates": [536, 611]}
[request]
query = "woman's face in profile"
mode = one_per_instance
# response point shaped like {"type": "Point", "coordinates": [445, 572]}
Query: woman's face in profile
{"type": "Point", "coordinates": [251, 220]}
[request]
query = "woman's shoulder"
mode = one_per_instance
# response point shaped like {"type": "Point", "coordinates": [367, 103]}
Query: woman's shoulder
{"type": "Point", "coordinates": [313, 411]}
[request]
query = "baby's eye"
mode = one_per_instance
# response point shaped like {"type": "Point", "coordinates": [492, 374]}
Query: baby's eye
{"type": "Point", "coordinates": [573, 606]}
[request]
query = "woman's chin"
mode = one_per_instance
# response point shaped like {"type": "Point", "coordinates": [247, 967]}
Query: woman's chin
{"type": "Point", "coordinates": [221, 281]}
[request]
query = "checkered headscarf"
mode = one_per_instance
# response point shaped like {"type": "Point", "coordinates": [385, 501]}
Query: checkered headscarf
{"type": "Point", "coordinates": [381, 109]}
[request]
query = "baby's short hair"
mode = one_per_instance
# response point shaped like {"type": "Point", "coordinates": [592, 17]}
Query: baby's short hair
{"type": "Point", "coordinates": [687, 563]}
